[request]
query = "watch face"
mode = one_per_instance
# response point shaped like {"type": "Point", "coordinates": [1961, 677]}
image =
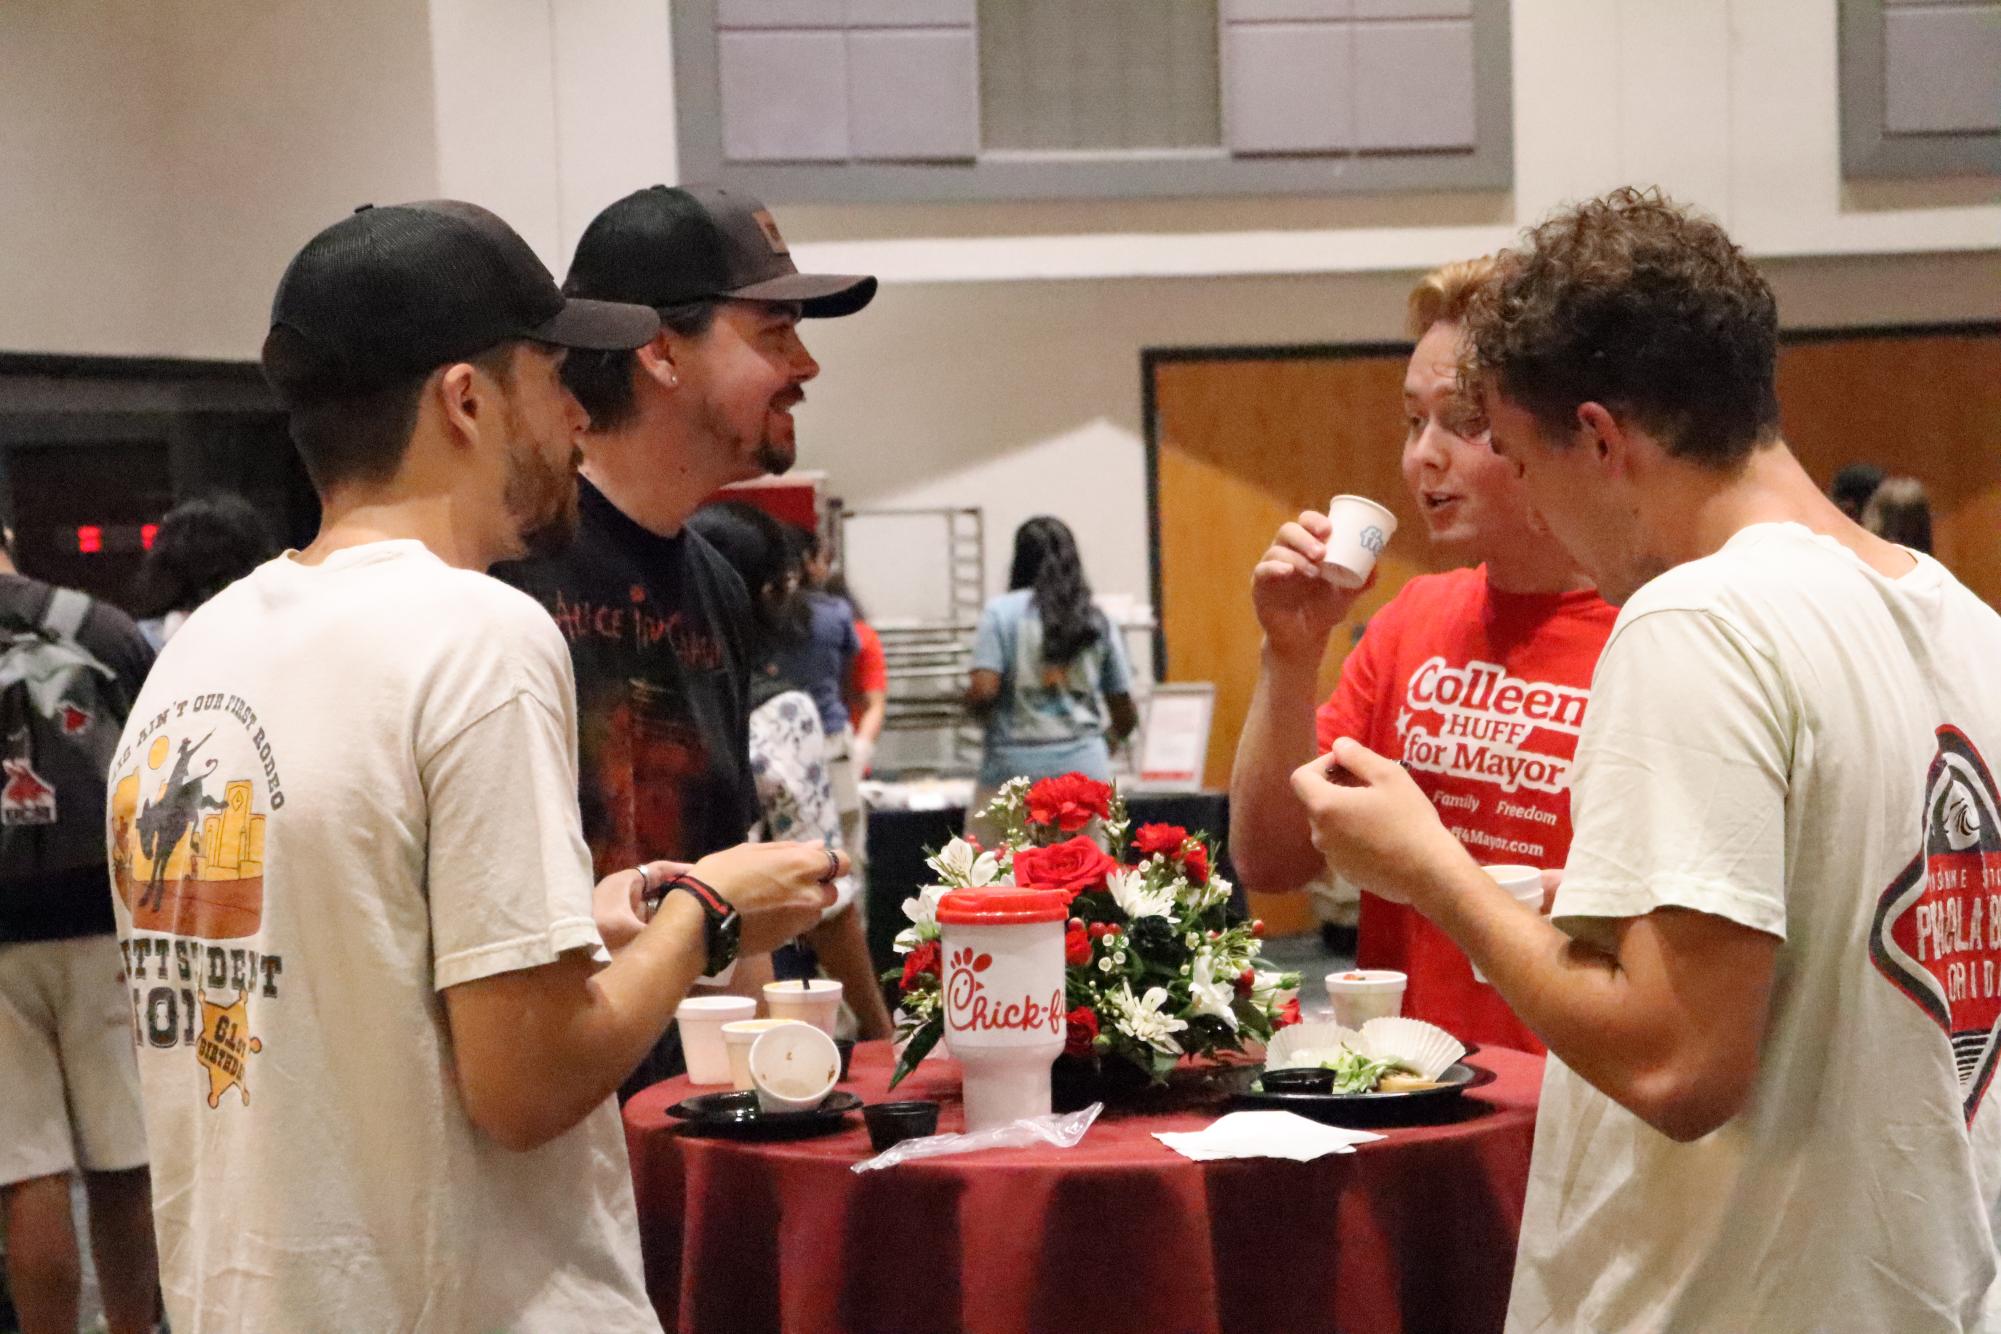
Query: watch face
{"type": "Point", "coordinates": [723, 946]}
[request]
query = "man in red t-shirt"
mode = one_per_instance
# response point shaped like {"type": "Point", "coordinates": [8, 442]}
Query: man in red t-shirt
{"type": "Point", "coordinates": [1477, 679]}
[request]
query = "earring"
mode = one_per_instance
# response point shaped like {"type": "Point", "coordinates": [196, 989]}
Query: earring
{"type": "Point", "coordinates": [673, 380]}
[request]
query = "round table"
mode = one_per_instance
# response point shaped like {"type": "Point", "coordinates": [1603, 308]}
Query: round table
{"type": "Point", "coordinates": [1416, 1232]}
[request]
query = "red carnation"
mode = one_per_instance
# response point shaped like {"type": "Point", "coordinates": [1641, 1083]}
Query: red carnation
{"type": "Point", "coordinates": [1164, 838]}
{"type": "Point", "coordinates": [1083, 1030]}
{"type": "Point", "coordinates": [919, 963]}
{"type": "Point", "coordinates": [1076, 947]}
{"type": "Point", "coordinates": [1069, 802]}
{"type": "Point", "coordinates": [1195, 862]}
{"type": "Point", "coordinates": [1073, 866]}
{"type": "Point", "coordinates": [1288, 1014]}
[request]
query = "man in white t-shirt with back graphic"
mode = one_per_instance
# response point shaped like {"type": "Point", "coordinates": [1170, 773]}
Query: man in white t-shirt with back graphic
{"type": "Point", "coordinates": [378, 1037]}
{"type": "Point", "coordinates": [1771, 990]}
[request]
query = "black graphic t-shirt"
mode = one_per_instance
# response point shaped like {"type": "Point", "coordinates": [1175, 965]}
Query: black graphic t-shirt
{"type": "Point", "coordinates": [656, 628]}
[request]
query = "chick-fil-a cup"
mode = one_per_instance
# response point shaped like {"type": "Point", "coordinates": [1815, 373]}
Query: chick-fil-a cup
{"type": "Point", "coordinates": [1004, 1013]}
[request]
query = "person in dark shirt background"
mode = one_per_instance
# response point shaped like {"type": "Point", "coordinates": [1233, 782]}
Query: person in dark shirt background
{"type": "Point", "coordinates": [69, 1085]}
{"type": "Point", "coordinates": [656, 620]}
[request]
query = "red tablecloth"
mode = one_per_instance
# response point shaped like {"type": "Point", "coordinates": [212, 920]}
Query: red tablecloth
{"type": "Point", "coordinates": [1415, 1233]}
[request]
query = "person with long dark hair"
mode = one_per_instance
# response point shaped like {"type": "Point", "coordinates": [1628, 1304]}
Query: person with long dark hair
{"type": "Point", "coordinates": [789, 751]}
{"type": "Point", "coordinates": [1050, 678]}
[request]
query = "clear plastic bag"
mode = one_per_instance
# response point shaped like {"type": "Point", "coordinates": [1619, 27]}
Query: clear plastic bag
{"type": "Point", "coordinates": [1062, 1129]}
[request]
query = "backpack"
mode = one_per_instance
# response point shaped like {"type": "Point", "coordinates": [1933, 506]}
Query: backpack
{"type": "Point", "coordinates": [61, 713]}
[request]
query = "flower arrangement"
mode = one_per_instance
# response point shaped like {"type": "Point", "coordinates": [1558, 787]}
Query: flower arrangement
{"type": "Point", "coordinates": [1157, 967]}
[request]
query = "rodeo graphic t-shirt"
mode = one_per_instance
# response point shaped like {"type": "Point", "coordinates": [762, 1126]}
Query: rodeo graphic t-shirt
{"type": "Point", "coordinates": [1782, 737]}
{"type": "Point", "coordinates": [345, 788]}
{"type": "Point", "coordinates": [1482, 695]}
{"type": "Point", "coordinates": [656, 630]}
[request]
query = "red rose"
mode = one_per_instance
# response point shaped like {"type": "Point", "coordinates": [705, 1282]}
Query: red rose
{"type": "Point", "coordinates": [1196, 863]}
{"type": "Point", "coordinates": [919, 962]}
{"type": "Point", "coordinates": [1069, 802]}
{"type": "Point", "coordinates": [1075, 866]}
{"type": "Point", "coordinates": [1246, 980]}
{"type": "Point", "coordinates": [1288, 1014]}
{"type": "Point", "coordinates": [1165, 838]}
{"type": "Point", "coordinates": [1083, 1030]}
{"type": "Point", "coordinates": [1076, 947]}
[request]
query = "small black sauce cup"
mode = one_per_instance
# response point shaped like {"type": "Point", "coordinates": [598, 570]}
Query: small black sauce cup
{"type": "Point", "coordinates": [1299, 1079]}
{"type": "Point", "coordinates": [893, 1122]}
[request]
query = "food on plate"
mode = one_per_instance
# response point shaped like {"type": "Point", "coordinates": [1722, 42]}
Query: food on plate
{"type": "Point", "coordinates": [1393, 1055]}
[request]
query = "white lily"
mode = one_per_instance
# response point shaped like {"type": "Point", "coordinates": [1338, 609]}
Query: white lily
{"type": "Point", "coordinates": [1271, 990]}
{"type": "Point", "coordinates": [1140, 1018]}
{"type": "Point", "coordinates": [923, 914]}
{"type": "Point", "coordinates": [1208, 995]}
{"type": "Point", "coordinates": [1129, 890]}
{"type": "Point", "coordinates": [960, 867]}
{"type": "Point", "coordinates": [1201, 898]}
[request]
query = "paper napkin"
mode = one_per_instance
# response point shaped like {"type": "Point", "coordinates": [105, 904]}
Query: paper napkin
{"type": "Point", "coordinates": [1264, 1135]}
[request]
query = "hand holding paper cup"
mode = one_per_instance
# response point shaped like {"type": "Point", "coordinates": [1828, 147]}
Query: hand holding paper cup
{"type": "Point", "coordinates": [1362, 528]}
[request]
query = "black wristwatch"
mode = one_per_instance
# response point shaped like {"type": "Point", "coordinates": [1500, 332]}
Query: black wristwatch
{"type": "Point", "coordinates": [721, 926]}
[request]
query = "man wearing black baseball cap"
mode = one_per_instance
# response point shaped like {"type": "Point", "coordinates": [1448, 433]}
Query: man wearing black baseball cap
{"type": "Point", "coordinates": [380, 1031]}
{"type": "Point", "coordinates": [655, 617]}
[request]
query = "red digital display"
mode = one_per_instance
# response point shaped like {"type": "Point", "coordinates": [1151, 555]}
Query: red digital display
{"type": "Point", "coordinates": [90, 539]}
{"type": "Point", "coordinates": [147, 532]}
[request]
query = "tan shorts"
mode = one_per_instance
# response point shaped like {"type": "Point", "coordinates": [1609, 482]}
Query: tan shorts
{"type": "Point", "coordinates": [69, 1081]}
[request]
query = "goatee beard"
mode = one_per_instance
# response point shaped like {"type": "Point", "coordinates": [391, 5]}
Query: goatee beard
{"type": "Point", "coordinates": [775, 459]}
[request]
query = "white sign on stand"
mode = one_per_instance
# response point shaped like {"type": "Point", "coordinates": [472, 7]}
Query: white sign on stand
{"type": "Point", "coordinates": [1174, 738]}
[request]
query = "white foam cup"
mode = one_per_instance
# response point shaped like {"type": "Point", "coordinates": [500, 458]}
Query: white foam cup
{"type": "Point", "coordinates": [1524, 885]}
{"type": "Point", "coordinates": [1362, 528]}
{"type": "Point", "coordinates": [817, 1003]}
{"type": "Point", "coordinates": [1361, 994]}
{"type": "Point", "coordinates": [738, 1035]}
{"type": "Point", "coordinates": [701, 1020]}
{"type": "Point", "coordinates": [1004, 1010]}
{"type": "Point", "coordinates": [793, 1067]}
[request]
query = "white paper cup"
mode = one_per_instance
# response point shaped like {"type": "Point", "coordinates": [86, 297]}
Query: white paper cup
{"type": "Point", "coordinates": [817, 1003]}
{"type": "Point", "coordinates": [1361, 994]}
{"type": "Point", "coordinates": [701, 1019]}
{"type": "Point", "coordinates": [1003, 997]}
{"type": "Point", "coordinates": [793, 1067]}
{"type": "Point", "coordinates": [1524, 884]}
{"type": "Point", "coordinates": [1362, 528]}
{"type": "Point", "coordinates": [738, 1035]}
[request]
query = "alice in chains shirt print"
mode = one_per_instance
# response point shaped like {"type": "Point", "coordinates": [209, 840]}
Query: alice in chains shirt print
{"type": "Point", "coordinates": [192, 794]}
{"type": "Point", "coordinates": [1937, 932]}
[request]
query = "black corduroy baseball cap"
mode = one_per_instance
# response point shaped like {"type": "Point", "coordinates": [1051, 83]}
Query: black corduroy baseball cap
{"type": "Point", "coordinates": [669, 245]}
{"type": "Point", "coordinates": [397, 291]}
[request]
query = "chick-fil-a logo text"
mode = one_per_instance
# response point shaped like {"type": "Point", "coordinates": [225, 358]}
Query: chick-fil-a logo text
{"type": "Point", "coordinates": [969, 1007]}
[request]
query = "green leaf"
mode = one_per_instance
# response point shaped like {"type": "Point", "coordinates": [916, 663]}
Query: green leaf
{"type": "Point", "coordinates": [921, 1042]}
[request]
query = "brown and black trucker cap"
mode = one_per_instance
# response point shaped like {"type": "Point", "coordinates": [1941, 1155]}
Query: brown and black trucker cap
{"type": "Point", "coordinates": [669, 245]}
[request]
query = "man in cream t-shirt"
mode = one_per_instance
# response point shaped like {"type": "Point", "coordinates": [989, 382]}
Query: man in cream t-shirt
{"type": "Point", "coordinates": [1772, 990]}
{"type": "Point", "coordinates": [377, 1038]}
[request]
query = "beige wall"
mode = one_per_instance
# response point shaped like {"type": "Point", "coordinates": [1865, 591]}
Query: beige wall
{"type": "Point", "coordinates": [85, 262]}
{"type": "Point", "coordinates": [283, 115]}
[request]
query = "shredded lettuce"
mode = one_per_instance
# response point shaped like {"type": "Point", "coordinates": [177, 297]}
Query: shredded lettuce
{"type": "Point", "coordinates": [1356, 1073]}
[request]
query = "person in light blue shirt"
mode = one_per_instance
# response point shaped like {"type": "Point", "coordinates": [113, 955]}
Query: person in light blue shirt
{"type": "Point", "coordinates": [1049, 677]}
